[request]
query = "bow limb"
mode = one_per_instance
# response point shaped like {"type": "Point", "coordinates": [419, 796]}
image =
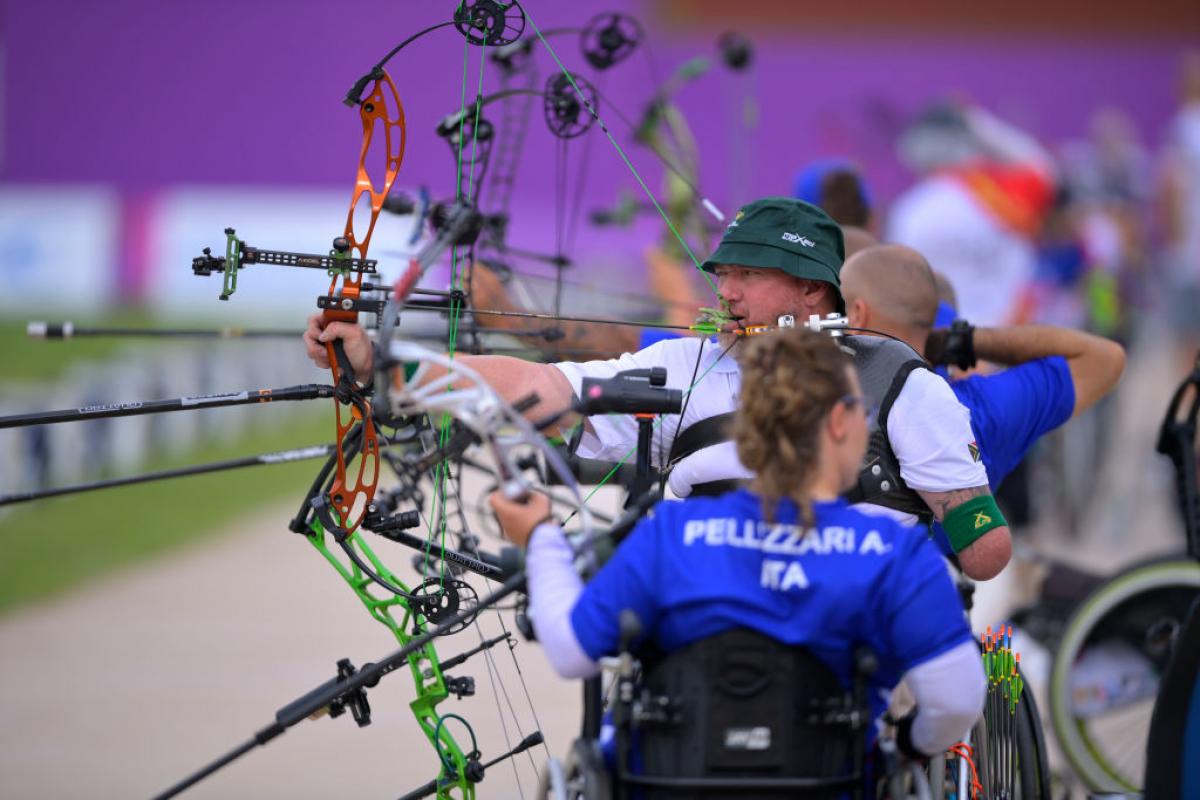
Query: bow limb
{"type": "Point", "coordinates": [398, 615]}
{"type": "Point", "coordinates": [352, 490]}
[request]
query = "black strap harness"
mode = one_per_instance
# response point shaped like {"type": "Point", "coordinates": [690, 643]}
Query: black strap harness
{"type": "Point", "coordinates": [884, 367]}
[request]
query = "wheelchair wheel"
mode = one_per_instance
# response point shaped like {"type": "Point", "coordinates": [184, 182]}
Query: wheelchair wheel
{"type": "Point", "coordinates": [1107, 670]}
{"type": "Point", "coordinates": [1004, 757]}
{"type": "Point", "coordinates": [583, 776]}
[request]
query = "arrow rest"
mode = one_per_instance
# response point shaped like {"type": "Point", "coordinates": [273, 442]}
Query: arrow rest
{"type": "Point", "coordinates": [356, 700]}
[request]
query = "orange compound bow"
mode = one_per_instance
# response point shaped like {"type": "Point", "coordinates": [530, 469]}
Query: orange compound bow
{"type": "Point", "coordinates": [351, 495]}
{"type": "Point", "coordinates": [341, 511]}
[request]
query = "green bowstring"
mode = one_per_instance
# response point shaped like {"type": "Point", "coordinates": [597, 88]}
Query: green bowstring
{"type": "Point", "coordinates": [441, 472]}
{"type": "Point", "coordinates": [620, 152]}
{"type": "Point", "coordinates": [657, 424]}
{"type": "Point", "coordinates": [707, 326]}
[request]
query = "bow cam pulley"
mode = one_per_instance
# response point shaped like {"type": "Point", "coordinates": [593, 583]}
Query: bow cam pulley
{"type": "Point", "coordinates": [488, 22]}
{"type": "Point", "coordinates": [736, 50]}
{"type": "Point", "coordinates": [569, 113]}
{"type": "Point", "coordinates": [608, 39]}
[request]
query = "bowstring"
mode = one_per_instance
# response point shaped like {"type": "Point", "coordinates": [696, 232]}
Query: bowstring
{"type": "Point", "coordinates": [442, 470]}
{"type": "Point", "coordinates": [467, 543]}
{"type": "Point", "coordinates": [472, 548]}
{"type": "Point", "coordinates": [442, 475]}
{"type": "Point", "coordinates": [456, 309]}
{"type": "Point", "coordinates": [666, 218]}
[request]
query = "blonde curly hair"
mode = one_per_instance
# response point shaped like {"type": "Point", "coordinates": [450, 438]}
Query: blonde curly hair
{"type": "Point", "coordinates": [791, 379]}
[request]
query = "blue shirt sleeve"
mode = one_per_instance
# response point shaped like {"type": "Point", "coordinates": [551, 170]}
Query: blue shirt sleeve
{"type": "Point", "coordinates": [1013, 409]}
{"type": "Point", "coordinates": [626, 581]}
{"type": "Point", "coordinates": [918, 607]}
{"type": "Point", "coordinates": [654, 336]}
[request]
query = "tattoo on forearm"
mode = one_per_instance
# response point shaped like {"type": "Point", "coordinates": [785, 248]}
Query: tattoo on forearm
{"type": "Point", "coordinates": [940, 503]}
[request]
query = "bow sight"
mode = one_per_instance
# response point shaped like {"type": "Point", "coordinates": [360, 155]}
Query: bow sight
{"type": "Point", "coordinates": [238, 254]}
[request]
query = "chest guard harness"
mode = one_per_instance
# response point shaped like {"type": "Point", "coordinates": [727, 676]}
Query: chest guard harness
{"type": "Point", "coordinates": [883, 367]}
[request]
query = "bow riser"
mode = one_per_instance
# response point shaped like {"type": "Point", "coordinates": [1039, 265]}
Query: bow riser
{"type": "Point", "coordinates": [352, 490]}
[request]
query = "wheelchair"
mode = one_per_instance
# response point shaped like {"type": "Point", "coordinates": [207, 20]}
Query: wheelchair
{"type": "Point", "coordinates": [741, 715]}
{"type": "Point", "coordinates": [712, 720]}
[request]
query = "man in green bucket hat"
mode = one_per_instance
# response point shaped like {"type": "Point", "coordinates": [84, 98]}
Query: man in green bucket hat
{"type": "Point", "coordinates": [791, 236]}
{"type": "Point", "coordinates": [777, 263]}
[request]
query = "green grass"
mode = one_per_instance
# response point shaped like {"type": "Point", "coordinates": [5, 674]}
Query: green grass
{"type": "Point", "coordinates": [51, 546]}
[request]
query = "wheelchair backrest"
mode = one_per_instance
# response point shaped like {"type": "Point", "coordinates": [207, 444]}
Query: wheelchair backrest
{"type": "Point", "coordinates": [743, 704]}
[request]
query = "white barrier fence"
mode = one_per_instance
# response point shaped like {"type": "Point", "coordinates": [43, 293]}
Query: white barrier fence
{"type": "Point", "coordinates": [43, 456]}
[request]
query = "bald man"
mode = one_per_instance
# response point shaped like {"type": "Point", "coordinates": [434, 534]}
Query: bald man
{"type": "Point", "coordinates": [1055, 373]}
{"type": "Point", "coordinates": [890, 288]}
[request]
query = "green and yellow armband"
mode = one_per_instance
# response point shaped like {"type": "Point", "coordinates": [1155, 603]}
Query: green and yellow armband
{"type": "Point", "coordinates": [966, 523]}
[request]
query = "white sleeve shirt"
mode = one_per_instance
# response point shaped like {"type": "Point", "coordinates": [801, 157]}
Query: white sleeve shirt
{"type": "Point", "coordinates": [717, 383]}
{"type": "Point", "coordinates": [929, 429]}
{"type": "Point", "coordinates": [930, 432]}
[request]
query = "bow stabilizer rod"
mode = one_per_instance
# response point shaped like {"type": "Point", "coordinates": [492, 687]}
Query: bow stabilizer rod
{"type": "Point", "coordinates": [262, 459]}
{"type": "Point", "coordinates": [133, 408]}
{"type": "Point", "coordinates": [40, 329]}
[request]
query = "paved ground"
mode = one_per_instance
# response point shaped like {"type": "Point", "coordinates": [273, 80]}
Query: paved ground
{"type": "Point", "coordinates": [123, 688]}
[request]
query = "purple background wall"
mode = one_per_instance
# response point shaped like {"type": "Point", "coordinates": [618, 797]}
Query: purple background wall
{"type": "Point", "coordinates": [146, 94]}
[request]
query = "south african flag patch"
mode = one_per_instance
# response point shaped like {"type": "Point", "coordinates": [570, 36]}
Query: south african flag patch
{"type": "Point", "coordinates": [974, 448]}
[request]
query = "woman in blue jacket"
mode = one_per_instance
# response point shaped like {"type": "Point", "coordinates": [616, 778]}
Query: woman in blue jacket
{"type": "Point", "coordinates": [783, 556]}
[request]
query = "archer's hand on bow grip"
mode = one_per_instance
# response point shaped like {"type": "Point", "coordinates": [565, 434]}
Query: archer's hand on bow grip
{"type": "Point", "coordinates": [320, 333]}
{"type": "Point", "coordinates": [346, 387]}
{"type": "Point", "coordinates": [518, 518]}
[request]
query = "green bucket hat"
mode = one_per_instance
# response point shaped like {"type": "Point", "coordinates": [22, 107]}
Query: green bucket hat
{"type": "Point", "coordinates": [787, 234]}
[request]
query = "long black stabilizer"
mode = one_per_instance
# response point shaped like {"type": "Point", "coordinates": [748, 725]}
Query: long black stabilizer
{"type": "Point", "coordinates": [278, 457]}
{"type": "Point", "coordinates": [69, 330]}
{"type": "Point", "coordinates": [308, 391]}
{"type": "Point", "coordinates": [262, 459]}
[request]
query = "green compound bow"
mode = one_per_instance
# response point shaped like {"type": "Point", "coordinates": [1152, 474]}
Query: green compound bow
{"type": "Point", "coordinates": [338, 509]}
{"type": "Point", "coordinates": [485, 420]}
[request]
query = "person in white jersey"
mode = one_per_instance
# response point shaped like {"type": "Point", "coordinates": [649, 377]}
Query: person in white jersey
{"type": "Point", "coordinates": [778, 257]}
